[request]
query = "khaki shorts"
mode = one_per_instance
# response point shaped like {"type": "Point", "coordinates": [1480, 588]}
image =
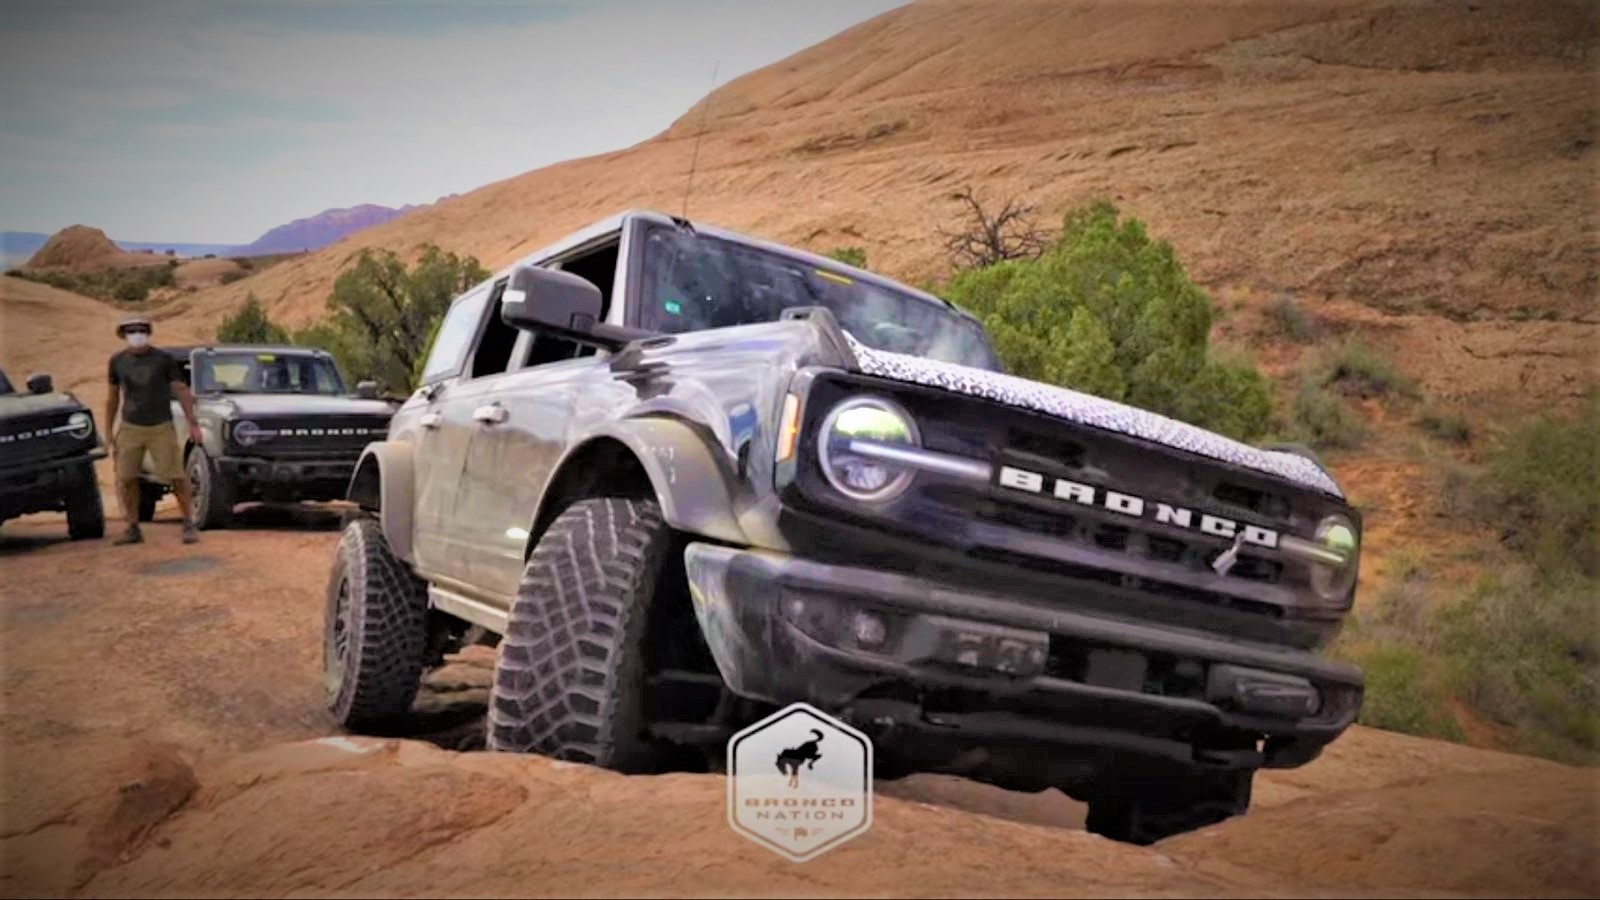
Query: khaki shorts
{"type": "Point", "coordinates": [160, 441]}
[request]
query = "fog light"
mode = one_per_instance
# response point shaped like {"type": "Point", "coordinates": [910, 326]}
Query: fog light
{"type": "Point", "coordinates": [870, 630]}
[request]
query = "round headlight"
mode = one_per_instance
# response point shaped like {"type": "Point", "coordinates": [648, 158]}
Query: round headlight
{"type": "Point", "coordinates": [851, 433]}
{"type": "Point", "coordinates": [1338, 534]}
{"type": "Point", "coordinates": [247, 432]}
{"type": "Point", "coordinates": [80, 425]}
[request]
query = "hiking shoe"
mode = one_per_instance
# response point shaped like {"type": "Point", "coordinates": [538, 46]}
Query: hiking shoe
{"type": "Point", "coordinates": [130, 536]}
{"type": "Point", "coordinates": [190, 536]}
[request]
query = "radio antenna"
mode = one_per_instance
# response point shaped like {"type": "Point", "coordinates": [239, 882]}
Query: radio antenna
{"type": "Point", "coordinates": [694, 158]}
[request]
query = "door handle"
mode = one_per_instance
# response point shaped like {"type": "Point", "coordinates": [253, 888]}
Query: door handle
{"type": "Point", "coordinates": [492, 414]}
{"type": "Point", "coordinates": [431, 420]}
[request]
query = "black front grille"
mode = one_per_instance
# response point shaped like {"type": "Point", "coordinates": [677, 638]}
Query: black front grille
{"type": "Point", "coordinates": [29, 439]}
{"type": "Point", "coordinates": [1140, 538]}
{"type": "Point", "coordinates": [1162, 553]}
{"type": "Point", "coordinates": [315, 436]}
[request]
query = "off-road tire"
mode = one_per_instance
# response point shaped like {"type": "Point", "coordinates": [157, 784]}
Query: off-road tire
{"type": "Point", "coordinates": [149, 496]}
{"type": "Point", "coordinates": [569, 680]}
{"type": "Point", "coordinates": [86, 517]}
{"type": "Point", "coordinates": [211, 491]}
{"type": "Point", "coordinates": [1147, 807]}
{"type": "Point", "coordinates": [375, 632]}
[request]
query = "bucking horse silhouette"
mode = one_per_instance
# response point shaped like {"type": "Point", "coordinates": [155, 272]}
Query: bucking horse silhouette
{"type": "Point", "coordinates": [790, 760]}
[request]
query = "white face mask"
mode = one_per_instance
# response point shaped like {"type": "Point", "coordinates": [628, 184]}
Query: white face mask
{"type": "Point", "coordinates": [137, 339]}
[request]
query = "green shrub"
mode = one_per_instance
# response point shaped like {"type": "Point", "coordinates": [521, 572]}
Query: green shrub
{"type": "Point", "coordinates": [1518, 648]}
{"type": "Point", "coordinates": [1515, 649]}
{"type": "Point", "coordinates": [1526, 654]}
{"type": "Point", "coordinates": [251, 325]}
{"type": "Point", "coordinates": [1290, 320]}
{"type": "Point", "coordinates": [1320, 419]}
{"type": "Point", "coordinates": [1544, 478]}
{"type": "Point", "coordinates": [1103, 284]}
{"type": "Point", "coordinates": [131, 290]}
{"type": "Point", "coordinates": [850, 256]}
{"type": "Point", "coordinates": [1446, 425]}
{"type": "Point", "coordinates": [383, 314]}
{"type": "Point", "coordinates": [1356, 368]}
{"type": "Point", "coordinates": [1398, 697]}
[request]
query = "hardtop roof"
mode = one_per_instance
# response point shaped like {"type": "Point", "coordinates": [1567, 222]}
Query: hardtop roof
{"type": "Point", "coordinates": [596, 230]}
{"type": "Point", "coordinates": [246, 348]}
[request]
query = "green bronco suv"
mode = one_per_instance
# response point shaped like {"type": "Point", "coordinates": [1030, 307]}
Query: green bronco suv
{"type": "Point", "coordinates": [48, 446]}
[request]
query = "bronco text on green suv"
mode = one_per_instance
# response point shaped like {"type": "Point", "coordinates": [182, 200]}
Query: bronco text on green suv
{"type": "Point", "coordinates": [680, 476]}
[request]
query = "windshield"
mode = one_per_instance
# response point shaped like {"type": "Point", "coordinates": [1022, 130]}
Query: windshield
{"type": "Point", "coordinates": [268, 373]}
{"type": "Point", "coordinates": [5, 383]}
{"type": "Point", "coordinates": [693, 282]}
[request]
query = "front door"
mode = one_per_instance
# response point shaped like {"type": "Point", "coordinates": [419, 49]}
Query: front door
{"type": "Point", "coordinates": [513, 454]}
{"type": "Point", "coordinates": [437, 421]}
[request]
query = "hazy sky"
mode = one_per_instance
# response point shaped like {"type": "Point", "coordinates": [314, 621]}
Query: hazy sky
{"type": "Point", "coordinates": [214, 121]}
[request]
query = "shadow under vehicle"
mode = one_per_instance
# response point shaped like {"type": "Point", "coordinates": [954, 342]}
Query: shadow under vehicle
{"type": "Point", "coordinates": [680, 476]}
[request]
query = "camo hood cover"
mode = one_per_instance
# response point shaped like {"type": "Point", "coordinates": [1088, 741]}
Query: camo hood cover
{"type": "Point", "coordinates": [1086, 409]}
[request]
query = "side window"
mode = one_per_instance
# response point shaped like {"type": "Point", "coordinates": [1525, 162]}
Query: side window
{"type": "Point", "coordinates": [599, 266]}
{"type": "Point", "coordinates": [493, 355]}
{"type": "Point", "coordinates": [455, 335]}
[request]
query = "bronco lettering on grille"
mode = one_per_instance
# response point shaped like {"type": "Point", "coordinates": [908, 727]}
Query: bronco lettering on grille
{"type": "Point", "coordinates": [1136, 507]}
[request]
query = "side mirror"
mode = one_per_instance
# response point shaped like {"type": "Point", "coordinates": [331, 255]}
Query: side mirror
{"type": "Point", "coordinates": [560, 304]}
{"type": "Point", "coordinates": [40, 383]}
{"type": "Point", "coordinates": [367, 390]}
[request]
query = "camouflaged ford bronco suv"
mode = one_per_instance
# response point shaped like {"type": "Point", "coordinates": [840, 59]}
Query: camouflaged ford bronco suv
{"type": "Point", "coordinates": [680, 476]}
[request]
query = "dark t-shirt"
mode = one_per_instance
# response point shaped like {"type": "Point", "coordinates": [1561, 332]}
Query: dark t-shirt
{"type": "Point", "coordinates": [146, 381]}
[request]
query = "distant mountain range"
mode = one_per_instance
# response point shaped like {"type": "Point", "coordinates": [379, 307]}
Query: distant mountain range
{"type": "Point", "coordinates": [310, 233]}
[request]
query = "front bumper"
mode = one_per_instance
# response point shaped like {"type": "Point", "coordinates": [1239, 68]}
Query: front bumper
{"type": "Point", "coordinates": [316, 478]}
{"type": "Point", "coordinates": [907, 656]}
{"type": "Point", "coordinates": [42, 485]}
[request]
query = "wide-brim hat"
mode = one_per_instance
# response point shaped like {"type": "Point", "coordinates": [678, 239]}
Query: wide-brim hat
{"type": "Point", "coordinates": [133, 322]}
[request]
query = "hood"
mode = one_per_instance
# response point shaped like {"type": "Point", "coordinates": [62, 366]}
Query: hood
{"type": "Point", "coordinates": [1086, 409]}
{"type": "Point", "coordinates": [16, 405]}
{"type": "Point", "coordinates": [245, 405]}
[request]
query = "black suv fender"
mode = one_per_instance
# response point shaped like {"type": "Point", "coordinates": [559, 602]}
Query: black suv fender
{"type": "Point", "coordinates": [383, 484]}
{"type": "Point", "coordinates": [689, 480]}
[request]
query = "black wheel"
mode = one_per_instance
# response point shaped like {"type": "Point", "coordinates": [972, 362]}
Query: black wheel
{"type": "Point", "coordinates": [149, 496]}
{"type": "Point", "coordinates": [374, 631]}
{"type": "Point", "coordinates": [1144, 808]}
{"type": "Point", "coordinates": [213, 495]}
{"type": "Point", "coordinates": [569, 681]}
{"type": "Point", "coordinates": [86, 518]}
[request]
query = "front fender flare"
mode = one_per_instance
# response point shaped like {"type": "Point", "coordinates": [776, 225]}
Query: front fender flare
{"type": "Point", "coordinates": [690, 484]}
{"type": "Point", "coordinates": [384, 482]}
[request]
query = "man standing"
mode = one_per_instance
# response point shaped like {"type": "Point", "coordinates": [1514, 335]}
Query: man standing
{"type": "Point", "coordinates": [148, 377]}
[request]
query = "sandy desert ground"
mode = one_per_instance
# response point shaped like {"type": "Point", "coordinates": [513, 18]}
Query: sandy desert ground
{"type": "Point", "coordinates": [163, 735]}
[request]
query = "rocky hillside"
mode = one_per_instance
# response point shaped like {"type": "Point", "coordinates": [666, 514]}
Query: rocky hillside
{"type": "Point", "coordinates": [80, 248]}
{"type": "Point", "coordinates": [1422, 172]}
{"type": "Point", "coordinates": [320, 230]}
